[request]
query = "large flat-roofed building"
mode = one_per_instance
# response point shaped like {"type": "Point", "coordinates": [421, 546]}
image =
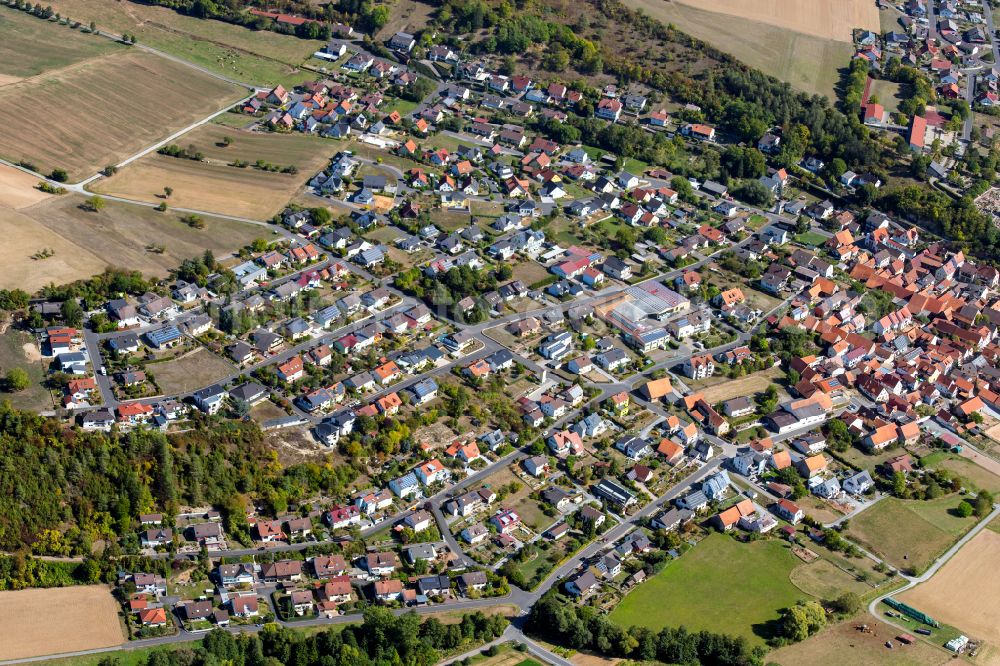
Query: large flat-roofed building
{"type": "Point", "coordinates": [637, 311]}
{"type": "Point", "coordinates": [657, 300]}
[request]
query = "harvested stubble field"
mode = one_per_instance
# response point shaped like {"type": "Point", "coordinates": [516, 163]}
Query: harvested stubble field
{"type": "Point", "coordinates": [828, 19]}
{"type": "Point", "coordinates": [108, 108]}
{"type": "Point", "coordinates": [31, 46]}
{"type": "Point", "coordinates": [17, 188]}
{"type": "Point", "coordinates": [963, 593]}
{"type": "Point", "coordinates": [86, 243]}
{"type": "Point", "coordinates": [87, 619]}
{"type": "Point", "coordinates": [213, 185]}
{"type": "Point", "coordinates": [24, 237]}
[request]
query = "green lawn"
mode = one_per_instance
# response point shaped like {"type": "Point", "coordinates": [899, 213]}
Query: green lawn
{"type": "Point", "coordinates": [719, 585]}
{"type": "Point", "coordinates": [593, 152]}
{"type": "Point", "coordinates": [634, 166]}
{"type": "Point", "coordinates": [404, 106]}
{"type": "Point", "coordinates": [811, 238]}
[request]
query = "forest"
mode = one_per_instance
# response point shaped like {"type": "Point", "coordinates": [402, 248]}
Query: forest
{"type": "Point", "coordinates": [63, 489]}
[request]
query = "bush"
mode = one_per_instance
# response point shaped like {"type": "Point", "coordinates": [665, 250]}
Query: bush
{"type": "Point", "coordinates": [17, 380]}
{"type": "Point", "coordinates": [94, 204]}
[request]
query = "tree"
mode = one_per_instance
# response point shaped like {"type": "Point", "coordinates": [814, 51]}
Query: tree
{"type": "Point", "coordinates": [94, 204]}
{"type": "Point", "coordinates": [320, 216]}
{"type": "Point", "coordinates": [838, 435]}
{"type": "Point", "coordinates": [848, 603]}
{"type": "Point", "coordinates": [964, 509]}
{"type": "Point", "coordinates": [72, 313]}
{"type": "Point", "coordinates": [754, 193]}
{"type": "Point", "coordinates": [899, 484]}
{"type": "Point", "coordinates": [167, 191]}
{"type": "Point", "coordinates": [837, 167]}
{"type": "Point", "coordinates": [802, 620]}
{"type": "Point", "coordinates": [59, 175]}
{"type": "Point", "coordinates": [227, 141]}
{"type": "Point", "coordinates": [983, 503]}
{"type": "Point", "coordinates": [17, 379]}
{"type": "Point", "coordinates": [375, 19]}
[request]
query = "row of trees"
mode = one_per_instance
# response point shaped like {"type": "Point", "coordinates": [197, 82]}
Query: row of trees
{"type": "Point", "coordinates": [381, 639]}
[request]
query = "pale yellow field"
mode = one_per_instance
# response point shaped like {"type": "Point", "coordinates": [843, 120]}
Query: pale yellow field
{"type": "Point", "coordinates": [121, 235]}
{"type": "Point", "coordinates": [24, 237]}
{"type": "Point", "coordinates": [40, 622]}
{"type": "Point", "coordinates": [828, 19]}
{"type": "Point", "coordinates": [216, 189]}
{"type": "Point", "coordinates": [17, 188]}
{"type": "Point", "coordinates": [965, 593]}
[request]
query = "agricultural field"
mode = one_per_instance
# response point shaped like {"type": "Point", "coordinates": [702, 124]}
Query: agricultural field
{"type": "Point", "coordinates": [26, 240]}
{"type": "Point", "coordinates": [709, 588]}
{"type": "Point", "coordinates": [18, 189]}
{"type": "Point", "coordinates": [962, 593]}
{"type": "Point", "coordinates": [88, 619]}
{"type": "Point", "coordinates": [32, 46]}
{"type": "Point", "coordinates": [192, 371]}
{"type": "Point", "coordinates": [828, 19]}
{"type": "Point", "coordinates": [109, 108]}
{"type": "Point", "coordinates": [258, 57]}
{"type": "Point", "coordinates": [123, 235]}
{"type": "Point", "coordinates": [306, 152]}
{"type": "Point", "coordinates": [844, 643]}
{"type": "Point", "coordinates": [248, 193]}
{"type": "Point", "coordinates": [808, 62]}
{"type": "Point", "coordinates": [909, 533]}
{"type": "Point", "coordinates": [213, 185]}
{"type": "Point", "coordinates": [19, 350]}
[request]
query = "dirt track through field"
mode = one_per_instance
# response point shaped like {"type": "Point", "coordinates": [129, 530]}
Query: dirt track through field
{"type": "Point", "coordinates": [829, 19]}
{"type": "Point", "coordinates": [965, 593]}
{"type": "Point", "coordinates": [40, 622]}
